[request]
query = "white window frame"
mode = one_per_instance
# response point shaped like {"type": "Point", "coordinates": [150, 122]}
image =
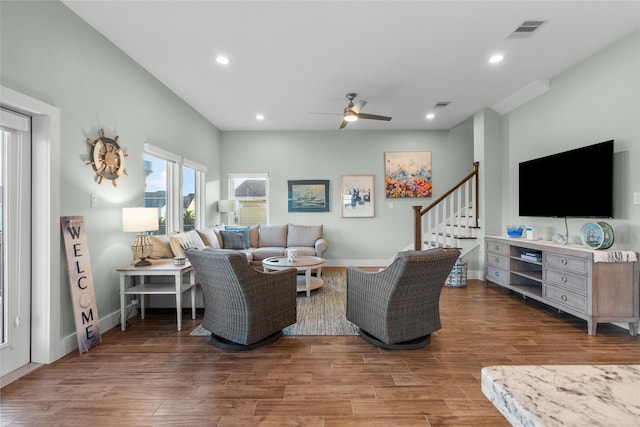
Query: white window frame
{"type": "Point", "coordinates": [261, 175]}
{"type": "Point", "coordinates": [174, 187]}
{"type": "Point", "coordinates": [200, 199]}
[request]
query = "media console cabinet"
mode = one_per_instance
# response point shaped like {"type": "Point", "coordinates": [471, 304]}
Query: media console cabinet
{"type": "Point", "coordinates": [566, 277]}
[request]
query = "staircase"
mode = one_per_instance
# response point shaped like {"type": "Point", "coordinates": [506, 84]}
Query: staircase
{"type": "Point", "coordinates": [451, 221]}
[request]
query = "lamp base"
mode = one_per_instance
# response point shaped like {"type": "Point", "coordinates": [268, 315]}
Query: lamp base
{"type": "Point", "coordinates": [142, 263]}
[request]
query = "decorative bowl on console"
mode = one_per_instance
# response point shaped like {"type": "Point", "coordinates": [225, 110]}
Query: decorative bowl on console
{"type": "Point", "coordinates": [515, 231]}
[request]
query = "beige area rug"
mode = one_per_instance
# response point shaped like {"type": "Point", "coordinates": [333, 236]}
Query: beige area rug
{"type": "Point", "coordinates": [322, 313]}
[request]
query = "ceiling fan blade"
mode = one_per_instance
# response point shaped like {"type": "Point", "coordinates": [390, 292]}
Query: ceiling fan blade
{"type": "Point", "coordinates": [359, 105]}
{"type": "Point", "coordinates": [373, 117]}
{"type": "Point", "coordinates": [343, 124]}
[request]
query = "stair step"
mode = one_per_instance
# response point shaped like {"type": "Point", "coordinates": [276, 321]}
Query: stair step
{"type": "Point", "coordinates": [456, 236]}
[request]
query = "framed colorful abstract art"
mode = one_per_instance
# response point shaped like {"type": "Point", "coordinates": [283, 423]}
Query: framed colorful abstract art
{"type": "Point", "coordinates": [407, 174]}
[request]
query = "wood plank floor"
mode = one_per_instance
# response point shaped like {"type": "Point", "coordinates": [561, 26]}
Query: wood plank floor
{"type": "Point", "coordinates": [153, 375]}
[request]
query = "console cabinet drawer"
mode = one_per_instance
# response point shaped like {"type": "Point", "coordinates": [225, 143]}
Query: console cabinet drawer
{"type": "Point", "coordinates": [499, 261]}
{"type": "Point", "coordinates": [498, 248]}
{"type": "Point", "coordinates": [498, 276]}
{"type": "Point", "coordinates": [574, 282]}
{"type": "Point", "coordinates": [566, 262]}
{"type": "Point", "coordinates": [566, 298]}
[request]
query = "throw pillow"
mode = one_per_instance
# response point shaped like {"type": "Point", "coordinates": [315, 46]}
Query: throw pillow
{"type": "Point", "coordinates": [233, 239]}
{"type": "Point", "coordinates": [245, 233]}
{"type": "Point", "coordinates": [196, 240]}
{"type": "Point", "coordinates": [161, 247]}
{"type": "Point", "coordinates": [179, 242]}
{"type": "Point", "coordinates": [210, 238]}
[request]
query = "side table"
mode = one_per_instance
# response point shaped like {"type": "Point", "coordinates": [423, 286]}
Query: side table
{"type": "Point", "coordinates": [158, 267]}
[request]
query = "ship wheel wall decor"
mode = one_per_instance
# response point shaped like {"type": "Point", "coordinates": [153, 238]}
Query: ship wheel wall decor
{"type": "Point", "coordinates": [107, 158]}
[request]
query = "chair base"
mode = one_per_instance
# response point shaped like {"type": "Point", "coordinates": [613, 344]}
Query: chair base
{"type": "Point", "coordinates": [405, 345]}
{"type": "Point", "coordinates": [225, 344]}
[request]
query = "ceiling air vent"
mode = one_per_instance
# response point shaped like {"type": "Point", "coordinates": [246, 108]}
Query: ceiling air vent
{"type": "Point", "coordinates": [442, 104]}
{"type": "Point", "coordinates": [526, 29]}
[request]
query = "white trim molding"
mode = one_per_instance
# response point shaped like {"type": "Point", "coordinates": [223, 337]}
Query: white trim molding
{"type": "Point", "coordinates": [46, 343]}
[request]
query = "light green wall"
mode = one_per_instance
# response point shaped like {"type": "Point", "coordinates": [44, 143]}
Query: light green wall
{"type": "Point", "coordinates": [593, 102]}
{"type": "Point", "coordinates": [48, 53]}
{"type": "Point", "coordinates": [331, 154]}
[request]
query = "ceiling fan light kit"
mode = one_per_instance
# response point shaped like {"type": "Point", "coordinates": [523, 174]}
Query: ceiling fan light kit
{"type": "Point", "coordinates": [350, 116]}
{"type": "Point", "coordinates": [352, 111]}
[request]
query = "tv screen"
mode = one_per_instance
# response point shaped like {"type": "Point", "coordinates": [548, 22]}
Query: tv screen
{"type": "Point", "coordinates": [576, 183]}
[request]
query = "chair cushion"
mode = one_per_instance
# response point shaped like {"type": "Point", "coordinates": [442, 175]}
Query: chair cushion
{"type": "Point", "coordinates": [233, 239]}
{"type": "Point", "coordinates": [425, 252]}
{"type": "Point", "coordinates": [272, 235]}
{"type": "Point", "coordinates": [245, 233]}
{"type": "Point", "coordinates": [303, 235]}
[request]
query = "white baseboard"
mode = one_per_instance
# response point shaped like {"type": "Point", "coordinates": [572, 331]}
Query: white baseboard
{"type": "Point", "coordinates": [112, 320]}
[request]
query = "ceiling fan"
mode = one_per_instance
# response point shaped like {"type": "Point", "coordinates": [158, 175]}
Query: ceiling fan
{"type": "Point", "coordinates": [352, 111]}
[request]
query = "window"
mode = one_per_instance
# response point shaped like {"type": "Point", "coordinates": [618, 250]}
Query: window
{"type": "Point", "coordinates": [175, 186]}
{"type": "Point", "coordinates": [193, 201]}
{"type": "Point", "coordinates": [252, 192]}
{"type": "Point", "coordinates": [188, 198]}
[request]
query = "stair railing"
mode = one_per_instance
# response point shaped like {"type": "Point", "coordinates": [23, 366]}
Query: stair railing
{"type": "Point", "coordinates": [452, 206]}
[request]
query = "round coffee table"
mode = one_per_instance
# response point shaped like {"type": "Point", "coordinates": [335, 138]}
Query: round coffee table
{"type": "Point", "coordinates": [301, 263]}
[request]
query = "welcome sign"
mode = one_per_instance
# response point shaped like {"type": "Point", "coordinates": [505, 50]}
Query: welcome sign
{"type": "Point", "coordinates": [83, 294]}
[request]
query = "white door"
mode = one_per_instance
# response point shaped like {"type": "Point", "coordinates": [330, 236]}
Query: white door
{"type": "Point", "coordinates": [15, 241]}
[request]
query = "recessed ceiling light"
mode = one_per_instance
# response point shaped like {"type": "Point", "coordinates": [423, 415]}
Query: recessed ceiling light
{"type": "Point", "coordinates": [222, 60]}
{"type": "Point", "coordinates": [496, 58]}
{"type": "Point", "coordinates": [259, 116]}
{"type": "Point", "coordinates": [430, 116]}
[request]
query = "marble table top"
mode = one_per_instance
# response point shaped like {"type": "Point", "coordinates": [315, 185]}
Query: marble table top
{"type": "Point", "coordinates": [565, 395]}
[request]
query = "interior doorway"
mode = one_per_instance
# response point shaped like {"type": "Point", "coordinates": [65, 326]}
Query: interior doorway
{"type": "Point", "coordinates": [15, 241]}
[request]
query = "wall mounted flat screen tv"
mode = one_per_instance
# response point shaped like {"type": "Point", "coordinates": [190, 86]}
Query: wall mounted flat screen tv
{"type": "Point", "coordinates": [576, 183]}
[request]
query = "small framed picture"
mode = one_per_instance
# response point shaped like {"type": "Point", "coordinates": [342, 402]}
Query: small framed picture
{"type": "Point", "coordinates": [356, 192]}
{"type": "Point", "coordinates": [309, 195]}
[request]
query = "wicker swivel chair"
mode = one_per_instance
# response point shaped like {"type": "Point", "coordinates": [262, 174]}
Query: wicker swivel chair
{"type": "Point", "coordinates": [244, 308]}
{"type": "Point", "coordinates": [399, 307]}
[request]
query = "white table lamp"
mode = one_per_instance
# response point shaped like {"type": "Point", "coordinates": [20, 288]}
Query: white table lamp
{"type": "Point", "coordinates": [228, 207]}
{"type": "Point", "coordinates": [141, 221]}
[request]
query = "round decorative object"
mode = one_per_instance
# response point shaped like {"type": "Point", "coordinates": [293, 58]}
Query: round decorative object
{"type": "Point", "coordinates": [597, 235]}
{"type": "Point", "coordinates": [107, 159]}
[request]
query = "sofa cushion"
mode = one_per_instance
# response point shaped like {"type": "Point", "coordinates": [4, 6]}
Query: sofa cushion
{"type": "Point", "coordinates": [233, 239]}
{"type": "Point", "coordinates": [303, 235]}
{"type": "Point", "coordinates": [272, 236]}
{"type": "Point", "coordinates": [267, 251]}
{"type": "Point", "coordinates": [211, 237]}
{"type": "Point", "coordinates": [253, 236]}
{"type": "Point", "coordinates": [245, 233]}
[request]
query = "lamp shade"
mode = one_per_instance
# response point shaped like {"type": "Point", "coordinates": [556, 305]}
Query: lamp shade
{"type": "Point", "coordinates": [137, 220]}
{"type": "Point", "coordinates": [226, 206]}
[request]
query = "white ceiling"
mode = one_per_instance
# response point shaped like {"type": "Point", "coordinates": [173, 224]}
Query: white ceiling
{"type": "Point", "coordinates": [290, 59]}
